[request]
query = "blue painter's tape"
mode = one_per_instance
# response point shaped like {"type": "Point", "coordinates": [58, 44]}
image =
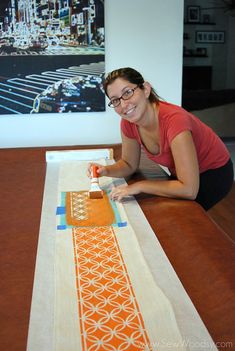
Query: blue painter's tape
{"type": "Point", "coordinates": [60, 210]}
{"type": "Point", "coordinates": [115, 210]}
{"type": "Point", "coordinates": [122, 224]}
{"type": "Point", "coordinates": [63, 197]}
{"type": "Point", "coordinates": [61, 227]}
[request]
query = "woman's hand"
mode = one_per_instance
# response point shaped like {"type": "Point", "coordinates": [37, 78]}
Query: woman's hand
{"type": "Point", "coordinates": [118, 193]}
{"type": "Point", "coordinates": [101, 170]}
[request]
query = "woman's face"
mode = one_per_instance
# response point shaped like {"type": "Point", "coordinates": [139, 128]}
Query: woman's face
{"type": "Point", "coordinates": [133, 108]}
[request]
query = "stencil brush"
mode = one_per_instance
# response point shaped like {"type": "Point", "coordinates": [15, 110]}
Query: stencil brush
{"type": "Point", "coordinates": [95, 192]}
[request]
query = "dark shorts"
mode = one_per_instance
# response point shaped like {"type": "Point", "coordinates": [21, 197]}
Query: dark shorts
{"type": "Point", "coordinates": [215, 184]}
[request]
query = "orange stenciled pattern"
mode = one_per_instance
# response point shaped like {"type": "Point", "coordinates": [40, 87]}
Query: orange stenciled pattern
{"type": "Point", "coordinates": [83, 211]}
{"type": "Point", "coordinates": [110, 319]}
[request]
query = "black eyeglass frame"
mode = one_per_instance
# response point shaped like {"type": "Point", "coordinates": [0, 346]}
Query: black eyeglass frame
{"type": "Point", "coordinates": [110, 104]}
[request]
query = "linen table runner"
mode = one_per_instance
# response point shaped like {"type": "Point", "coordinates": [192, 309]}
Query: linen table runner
{"type": "Point", "coordinates": [102, 294]}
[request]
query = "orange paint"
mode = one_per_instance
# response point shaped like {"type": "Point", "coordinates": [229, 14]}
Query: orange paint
{"type": "Point", "coordinates": [81, 211]}
{"type": "Point", "coordinates": [108, 311]}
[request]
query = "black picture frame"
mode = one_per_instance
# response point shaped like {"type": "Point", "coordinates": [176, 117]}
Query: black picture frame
{"type": "Point", "coordinates": [193, 14]}
{"type": "Point", "coordinates": [210, 37]}
{"type": "Point", "coordinates": [54, 63]}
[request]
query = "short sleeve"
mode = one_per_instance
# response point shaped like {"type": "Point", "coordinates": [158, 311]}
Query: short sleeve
{"type": "Point", "coordinates": [128, 129]}
{"type": "Point", "coordinates": [178, 123]}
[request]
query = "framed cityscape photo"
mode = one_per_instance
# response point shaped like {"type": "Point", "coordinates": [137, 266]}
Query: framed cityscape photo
{"type": "Point", "coordinates": [52, 56]}
{"type": "Point", "coordinates": [193, 14]}
{"type": "Point", "coordinates": [210, 37]}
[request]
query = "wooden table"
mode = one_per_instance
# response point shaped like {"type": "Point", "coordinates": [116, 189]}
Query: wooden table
{"type": "Point", "coordinates": [200, 252]}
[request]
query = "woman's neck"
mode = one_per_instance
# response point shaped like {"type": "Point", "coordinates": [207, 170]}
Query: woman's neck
{"type": "Point", "coordinates": [151, 118]}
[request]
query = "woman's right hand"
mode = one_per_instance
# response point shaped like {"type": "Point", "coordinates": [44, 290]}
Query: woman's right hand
{"type": "Point", "coordinates": [101, 170]}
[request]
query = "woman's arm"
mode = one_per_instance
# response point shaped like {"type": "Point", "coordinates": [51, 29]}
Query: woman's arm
{"type": "Point", "coordinates": [128, 163]}
{"type": "Point", "coordinates": [187, 184]}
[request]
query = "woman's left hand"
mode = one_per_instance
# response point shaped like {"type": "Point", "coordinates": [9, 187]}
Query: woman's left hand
{"type": "Point", "coordinates": [118, 193]}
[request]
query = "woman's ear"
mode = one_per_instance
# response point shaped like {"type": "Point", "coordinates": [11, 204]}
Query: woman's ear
{"type": "Point", "coordinates": [147, 89]}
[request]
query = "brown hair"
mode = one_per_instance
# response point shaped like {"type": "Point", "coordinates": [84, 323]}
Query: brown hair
{"type": "Point", "coordinates": [132, 76]}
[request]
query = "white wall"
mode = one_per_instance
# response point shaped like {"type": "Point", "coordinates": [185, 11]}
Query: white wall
{"type": "Point", "coordinates": [146, 35]}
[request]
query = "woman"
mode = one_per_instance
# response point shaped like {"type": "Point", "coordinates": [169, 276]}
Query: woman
{"type": "Point", "coordinates": [200, 164]}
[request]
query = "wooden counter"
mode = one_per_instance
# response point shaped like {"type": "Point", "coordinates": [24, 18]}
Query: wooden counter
{"type": "Point", "coordinates": [202, 255]}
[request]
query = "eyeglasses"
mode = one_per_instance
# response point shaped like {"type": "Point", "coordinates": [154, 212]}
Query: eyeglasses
{"type": "Point", "coordinates": [125, 96]}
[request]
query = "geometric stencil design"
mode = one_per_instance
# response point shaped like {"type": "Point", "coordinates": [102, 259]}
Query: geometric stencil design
{"type": "Point", "coordinates": [78, 205]}
{"type": "Point", "coordinates": [83, 211]}
{"type": "Point", "coordinates": [110, 319]}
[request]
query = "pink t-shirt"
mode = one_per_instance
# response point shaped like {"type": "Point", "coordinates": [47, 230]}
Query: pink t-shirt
{"type": "Point", "coordinates": [211, 151]}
